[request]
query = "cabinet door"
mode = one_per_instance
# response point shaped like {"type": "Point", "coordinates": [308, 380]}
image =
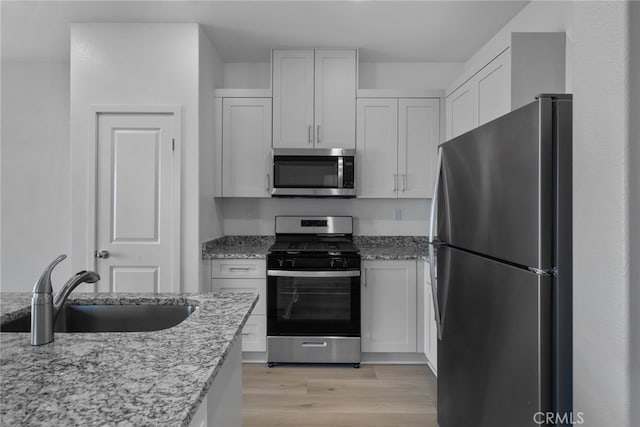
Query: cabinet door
{"type": "Point", "coordinates": [493, 89]}
{"type": "Point", "coordinates": [460, 110]}
{"type": "Point", "coordinates": [377, 153]}
{"type": "Point", "coordinates": [431, 332]}
{"type": "Point", "coordinates": [335, 98]}
{"type": "Point", "coordinates": [246, 147]}
{"type": "Point", "coordinates": [389, 306]}
{"type": "Point", "coordinates": [418, 135]}
{"type": "Point", "coordinates": [293, 98]}
{"type": "Point", "coordinates": [254, 333]}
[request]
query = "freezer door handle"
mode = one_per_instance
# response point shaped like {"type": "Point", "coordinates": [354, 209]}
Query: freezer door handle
{"type": "Point", "coordinates": [432, 249]}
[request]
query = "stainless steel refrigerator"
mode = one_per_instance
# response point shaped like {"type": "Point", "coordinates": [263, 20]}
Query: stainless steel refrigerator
{"type": "Point", "coordinates": [502, 284]}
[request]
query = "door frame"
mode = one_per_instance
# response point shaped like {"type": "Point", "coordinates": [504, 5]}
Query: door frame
{"type": "Point", "coordinates": [92, 176]}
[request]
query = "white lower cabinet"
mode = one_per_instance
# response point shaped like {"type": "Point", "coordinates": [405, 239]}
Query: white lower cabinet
{"type": "Point", "coordinates": [236, 275]}
{"type": "Point", "coordinates": [389, 306]}
{"type": "Point", "coordinates": [430, 328]}
{"type": "Point", "coordinates": [254, 333]}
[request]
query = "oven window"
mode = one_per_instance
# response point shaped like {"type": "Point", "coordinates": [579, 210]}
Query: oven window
{"type": "Point", "coordinates": [306, 299]}
{"type": "Point", "coordinates": [313, 306]}
{"type": "Point", "coordinates": [305, 172]}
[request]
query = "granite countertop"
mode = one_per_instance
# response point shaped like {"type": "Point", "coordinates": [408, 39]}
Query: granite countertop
{"type": "Point", "coordinates": [392, 247]}
{"type": "Point", "coordinates": [371, 247]}
{"type": "Point", "coordinates": [243, 247]}
{"type": "Point", "coordinates": [118, 378]}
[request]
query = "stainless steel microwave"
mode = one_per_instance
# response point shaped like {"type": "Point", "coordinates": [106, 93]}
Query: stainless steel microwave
{"type": "Point", "coordinates": [314, 172]}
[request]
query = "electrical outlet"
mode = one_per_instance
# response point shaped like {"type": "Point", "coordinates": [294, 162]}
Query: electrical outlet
{"type": "Point", "coordinates": [397, 214]}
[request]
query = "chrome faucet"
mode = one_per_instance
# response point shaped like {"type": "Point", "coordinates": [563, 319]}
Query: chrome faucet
{"type": "Point", "coordinates": [44, 308]}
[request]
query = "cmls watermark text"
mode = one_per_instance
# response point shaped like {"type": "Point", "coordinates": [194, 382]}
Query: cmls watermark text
{"type": "Point", "coordinates": [556, 418]}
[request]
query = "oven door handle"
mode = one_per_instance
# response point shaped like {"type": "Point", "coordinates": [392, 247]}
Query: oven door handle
{"type": "Point", "coordinates": [294, 273]}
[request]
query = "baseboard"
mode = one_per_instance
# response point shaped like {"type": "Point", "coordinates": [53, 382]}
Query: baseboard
{"type": "Point", "coordinates": [254, 357]}
{"type": "Point", "coordinates": [394, 358]}
{"type": "Point", "coordinates": [367, 358]}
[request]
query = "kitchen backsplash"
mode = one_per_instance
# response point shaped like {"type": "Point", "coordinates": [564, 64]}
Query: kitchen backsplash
{"type": "Point", "coordinates": [402, 217]}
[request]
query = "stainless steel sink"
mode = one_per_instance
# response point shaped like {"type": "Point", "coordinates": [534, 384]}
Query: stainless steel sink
{"type": "Point", "coordinates": [109, 318]}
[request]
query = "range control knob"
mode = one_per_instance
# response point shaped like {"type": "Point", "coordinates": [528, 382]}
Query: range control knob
{"type": "Point", "coordinates": [345, 263]}
{"type": "Point", "coordinates": [290, 263]}
{"type": "Point", "coordinates": [332, 263]}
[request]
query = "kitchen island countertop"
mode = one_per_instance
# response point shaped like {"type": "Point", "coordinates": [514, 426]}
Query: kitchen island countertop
{"type": "Point", "coordinates": [118, 378]}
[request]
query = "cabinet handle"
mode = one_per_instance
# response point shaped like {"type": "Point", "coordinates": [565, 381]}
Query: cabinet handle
{"type": "Point", "coordinates": [268, 181]}
{"type": "Point", "coordinates": [309, 133]}
{"type": "Point", "coordinates": [318, 134]}
{"type": "Point", "coordinates": [239, 269]}
{"type": "Point", "coordinates": [244, 334]}
{"type": "Point", "coordinates": [395, 182]}
{"type": "Point", "coordinates": [404, 182]}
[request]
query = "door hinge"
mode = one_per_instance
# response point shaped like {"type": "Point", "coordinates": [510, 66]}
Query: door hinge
{"type": "Point", "coordinates": [173, 144]}
{"type": "Point", "coordinates": [542, 272]}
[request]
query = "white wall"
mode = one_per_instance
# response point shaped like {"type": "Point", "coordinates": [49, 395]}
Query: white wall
{"type": "Point", "coordinates": [371, 216]}
{"type": "Point", "coordinates": [601, 216]}
{"type": "Point", "coordinates": [371, 75]}
{"type": "Point", "coordinates": [211, 75]}
{"type": "Point", "coordinates": [634, 213]}
{"type": "Point", "coordinates": [247, 75]}
{"type": "Point", "coordinates": [35, 172]}
{"type": "Point", "coordinates": [144, 64]}
{"type": "Point", "coordinates": [407, 75]}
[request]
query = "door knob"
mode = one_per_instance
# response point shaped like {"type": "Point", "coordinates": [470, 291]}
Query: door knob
{"type": "Point", "coordinates": [102, 254]}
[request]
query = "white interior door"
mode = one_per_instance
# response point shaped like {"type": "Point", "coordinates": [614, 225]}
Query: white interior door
{"type": "Point", "coordinates": [135, 203]}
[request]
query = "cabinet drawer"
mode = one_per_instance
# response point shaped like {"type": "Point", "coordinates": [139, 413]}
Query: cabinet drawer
{"type": "Point", "coordinates": [254, 333]}
{"type": "Point", "coordinates": [245, 285]}
{"type": "Point", "coordinates": [230, 268]}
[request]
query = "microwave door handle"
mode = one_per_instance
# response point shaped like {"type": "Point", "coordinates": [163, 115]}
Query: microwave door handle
{"type": "Point", "coordinates": [340, 172]}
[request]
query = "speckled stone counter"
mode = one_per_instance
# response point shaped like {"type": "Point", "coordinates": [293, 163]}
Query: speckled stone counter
{"type": "Point", "coordinates": [118, 378]}
{"type": "Point", "coordinates": [242, 247]}
{"type": "Point", "coordinates": [371, 247]}
{"type": "Point", "coordinates": [392, 247]}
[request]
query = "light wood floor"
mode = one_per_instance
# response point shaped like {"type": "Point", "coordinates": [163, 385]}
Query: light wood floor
{"type": "Point", "coordinates": [314, 396]}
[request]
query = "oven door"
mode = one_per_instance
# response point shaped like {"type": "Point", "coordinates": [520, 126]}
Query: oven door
{"type": "Point", "coordinates": [313, 303]}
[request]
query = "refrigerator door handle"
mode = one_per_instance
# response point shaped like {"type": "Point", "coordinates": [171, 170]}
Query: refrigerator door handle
{"type": "Point", "coordinates": [432, 249]}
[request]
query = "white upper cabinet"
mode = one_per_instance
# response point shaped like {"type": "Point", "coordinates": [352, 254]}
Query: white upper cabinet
{"type": "Point", "coordinates": [377, 155]}
{"type": "Point", "coordinates": [246, 147]}
{"type": "Point", "coordinates": [460, 110]}
{"type": "Point", "coordinates": [293, 88]}
{"type": "Point", "coordinates": [397, 140]}
{"type": "Point", "coordinates": [492, 89]}
{"type": "Point", "coordinates": [533, 63]}
{"type": "Point", "coordinates": [314, 97]}
{"type": "Point", "coordinates": [418, 136]}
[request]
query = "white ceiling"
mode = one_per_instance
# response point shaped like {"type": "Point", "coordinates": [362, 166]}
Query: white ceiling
{"type": "Point", "coordinates": [245, 31]}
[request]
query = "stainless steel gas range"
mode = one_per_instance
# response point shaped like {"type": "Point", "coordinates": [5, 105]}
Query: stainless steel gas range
{"type": "Point", "coordinates": [313, 292]}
